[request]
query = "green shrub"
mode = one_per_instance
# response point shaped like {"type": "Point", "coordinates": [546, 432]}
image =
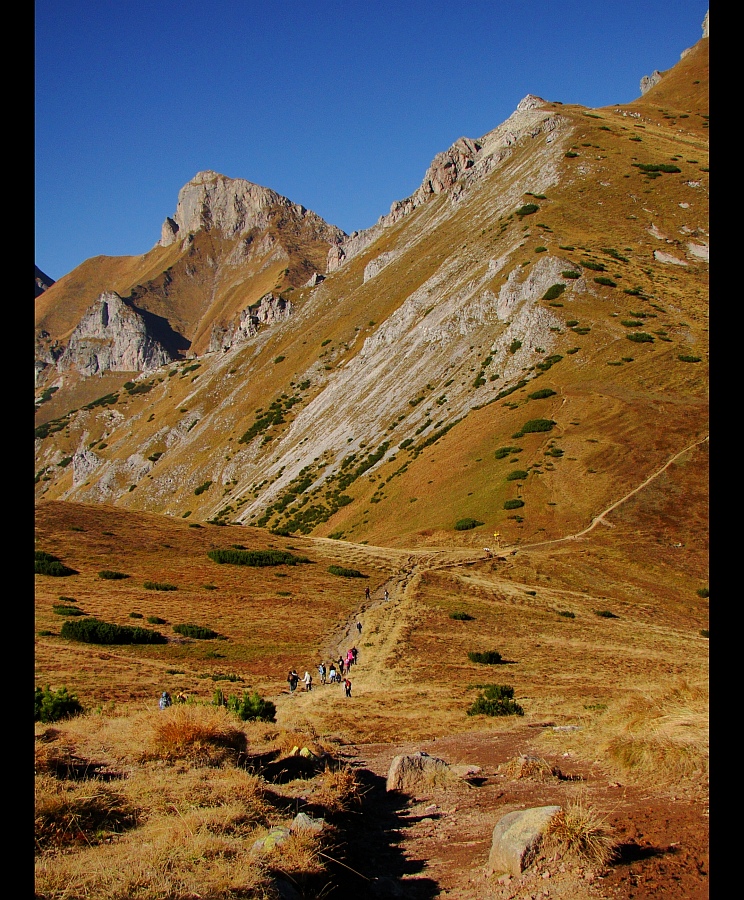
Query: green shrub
{"type": "Point", "coordinates": [527, 210]}
{"type": "Point", "coordinates": [156, 620]}
{"type": "Point", "coordinates": [569, 154]}
{"type": "Point", "coordinates": [159, 586]}
{"type": "Point", "coordinates": [630, 323]}
{"type": "Point", "coordinates": [594, 266]}
{"type": "Point", "coordinates": [112, 576]}
{"type": "Point", "coordinates": [195, 631]}
{"type": "Point", "coordinates": [461, 616]}
{"type": "Point", "coordinates": [640, 337]}
{"type": "Point", "coordinates": [541, 394]}
{"type": "Point", "coordinates": [703, 592]}
{"type": "Point", "coordinates": [605, 614]}
{"type": "Point", "coordinates": [496, 700]}
{"type": "Point", "coordinates": [517, 475]}
{"type": "Point", "coordinates": [256, 558]}
{"type": "Point", "coordinates": [203, 487]}
{"type": "Point", "coordinates": [541, 249]}
{"type": "Point", "coordinates": [513, 504]}
{"type": "Point", "coordinates": [607, 282]}
{"type": "Point", "coordinates": [554, 292]}
{"type": "Point", "coordinates": [571, 273]}
{"type": "Point", "coordinates": [46, 564]}
{"type": "Point", "coordinates": [537, 425]}
{"type": "Point", "coordinates": [52, 706]}
{"type": "Point", "coordinates": [656, 167]}
{"type": "Point", "coordinates": [346, 573]}
{"type": "Point", "coordinates": [506, 451]}
{"type": "Point", "coordinates": [486, 657]}
{"type": "Point", "coordinates": [279, 359]}
{"type": "Point", "coordinates": [252, 707]}
{"type": "Point", "coordinates": [690, 359]}
{"type": "Point", "coordinates": [94, 631]}
{"type": "Point", "coordinates": [467, 524]}
{"type": "Point", "coordinates": [63, 610]}
{"type": "Point", "coordinates": [704, 632]}
{"type": "Point", "coordinates": [566, 614]}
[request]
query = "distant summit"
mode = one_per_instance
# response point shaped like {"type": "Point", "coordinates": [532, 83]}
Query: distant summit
{"type": "Point", "coordinates": [43, 282]}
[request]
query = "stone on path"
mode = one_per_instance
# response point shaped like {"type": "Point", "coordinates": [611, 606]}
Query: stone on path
{"type": "Point", "coordinates": [410, 772]}
{"type": "Point", "coordinates": [517, 838]}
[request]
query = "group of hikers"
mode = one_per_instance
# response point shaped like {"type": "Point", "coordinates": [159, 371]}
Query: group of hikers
{"type": "Point", "coordinates": [337, 672]}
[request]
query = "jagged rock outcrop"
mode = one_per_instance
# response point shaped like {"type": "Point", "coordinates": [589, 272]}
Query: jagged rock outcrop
{"type": "Point", "coordinates": [649, 81]}
{"type": "Point", "coordinates": [43, 282]}
{"type": "Point", "coordinates": [465, 163]}
{"type": "Point", "coordinates": [233, 206]}
{"type": "Point", "coordinates": [269, 310]}
{"type": "Point", "coordinates": [112, 337]}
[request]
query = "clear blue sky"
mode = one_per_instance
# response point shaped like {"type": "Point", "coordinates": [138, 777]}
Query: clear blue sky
{"type": "Point", "coordinates": [338, 106]}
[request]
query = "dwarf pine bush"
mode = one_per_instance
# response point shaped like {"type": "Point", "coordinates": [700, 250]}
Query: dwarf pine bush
{"type": "Point", "coordinates": [50, 706]}
{"type": "Point", "coordinates": [496, 700]}
{"type": "Point", "coordinates": [46, 564]}
{"type": "Point", "coordinates": [94, 631]}
{"type": "Point", "coordinates": [486, 657]}
{"type": "Point", "coordinates": [252, 707]}
{"type": "Point", "coordinates": [195, 631]}
{"type": "Point", "coordinates": [346, 573]}
{"type": "Point", "coordinates": [256, 557]}
{"type": "Point", "coordinates": [467, 524]}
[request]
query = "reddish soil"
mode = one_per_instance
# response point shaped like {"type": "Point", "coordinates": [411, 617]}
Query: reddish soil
{"type": "Point", "coordinates": [437, 845]}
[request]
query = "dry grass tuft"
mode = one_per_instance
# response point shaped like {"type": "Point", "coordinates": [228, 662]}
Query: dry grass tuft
{"type": "Point", "coordinates": [339, 789]}
{"type": "Point", "coordinates": [201, 734]}
{"type": "Point", "coordinates": [580, 833]}
{"type": "Point", "coordinates": [532, 767]}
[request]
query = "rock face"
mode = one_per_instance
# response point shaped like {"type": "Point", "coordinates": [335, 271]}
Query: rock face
{"type": "Point", "coordinates": [411, 772]}
{"type": "Point", "coordinates": [112, 336]}
{"type": "Point", "coordinates": [517, 838]}
{"type": "Point", "coordinates": [648, 81]}
{"type": "Point", "coordinates": [269, 310]}
{"type": "Point", "coordinates": [43, 282]}
{"type": "Point", "coordinates": [464, 164]}
{"type": "Point", "coordinates": [232, 206]}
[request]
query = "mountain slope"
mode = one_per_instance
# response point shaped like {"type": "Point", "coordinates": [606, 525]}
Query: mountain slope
{"type": "Point", "coordinates": [554, 270]}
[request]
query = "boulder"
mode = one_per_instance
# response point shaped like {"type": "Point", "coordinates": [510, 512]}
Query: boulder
{"type": "Point", "coordinates": [304, 822]}
{"type": "Point", "coordinates": [517, 838]}
{"type": "Point", "coordinates": [411, 772]}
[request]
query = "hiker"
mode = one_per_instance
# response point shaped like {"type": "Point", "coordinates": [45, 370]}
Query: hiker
{"type": "Point", "coordinates": [359, 627]}
{"type": "Point", "coordinates": [341, 666]}
{"type": "Point", "coordinates": [332, 674]}
{"type": "Point", "coordinates": [387, 596]}
{"type": "Point", "coordinates": [354, 653]}
{"type": "Point", "coordinates": [366, 593]}
{"type": "Point", "coordinates": [347, 687]}
{"type": "Point", "coordinates": [182, 697]}
{"type": "Point", "coordinates": [349, 660]}
{"type": "Point", "coordinates": [165, 700]}
{"type": "Point", "coordinates": [292, 679]}
{"type": "Point", "coordinates": [308, 679]}
{"type": "Point", "coordinates": [488, 552]}
{"type": "Point", "coordinates": [322, 672]}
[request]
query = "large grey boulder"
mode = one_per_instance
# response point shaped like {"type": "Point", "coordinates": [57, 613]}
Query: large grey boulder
{"type": "Point", "coordinates": [414, 771]}
{"type": "Point", "coordinates": [517, 838]}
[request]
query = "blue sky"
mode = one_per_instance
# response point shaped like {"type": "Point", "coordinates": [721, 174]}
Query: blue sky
{"type": "Point", "coordinates": [338, 106]}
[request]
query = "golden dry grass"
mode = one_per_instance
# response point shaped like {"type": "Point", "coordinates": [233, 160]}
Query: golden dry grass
{"type": "Point", "coordinates": [581, 834]}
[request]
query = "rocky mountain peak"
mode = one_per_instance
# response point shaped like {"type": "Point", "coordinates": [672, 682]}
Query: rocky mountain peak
{"type": "Point", "coordinates": [232, 206]}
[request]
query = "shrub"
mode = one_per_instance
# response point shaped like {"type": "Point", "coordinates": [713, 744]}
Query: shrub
{"type": "Point", "coordinates": [541, 249]}
{"type": "Point", "coordinates": [94, 631]}
{"type": "Point", "coordinates": [346, 573]}
{"type": "Point", "coordinates": [691, 359]}
{"type": "Point", "coordinates": [571, 273]}
{"type": "Point", "coordinates": [256, 557]}
{"type": "Point", "coordinates": [467, 524]}
{"type": "Point", "coordinates": [46, 564]}
{"type": "Point", "coordinates": [486, 657]}
{"type": "Point", "coordinates": [527, 210]}
{"type": "Point", "coordinates": [704, 632]}
{"type": "Point", "coordinates": [537, 425]}
{"type": "Point", "coordinates": [607, 282]}
{"type": "Point", "coordinates": [566, 614]}
{"type": "Point", "coordinates": [554, 292]}
{"type": "Point", "coordinates": [50, 706]}
{"type": "Point", "coordinates": [195, 631]}
{"type": "Point", "coordinates": [156, 620]}
{"type": "Point", "coordinates": [111, 575]}
{"type": "Point", "coordinates": [252, 707]}
{"type": "Point", "coordinates": [513, 504]}
{"type": "Point", "coordinates": [514, 346]}
{"type": "Point", "coordinates": [62, 610]}
{"type": "Point", "coordinates": [517, 475]}
{"type": "Point", "coordinates": [203, 487]}
{"type": "Point", "coordinates": [541, 394]}
{"type": "Point", "coordinates": [496, 700]}
{"type": "Point", "coordinates": [703, 592]}
{"type": "Point", "coordinates": [460, 616]}
{"type": "Point", "coordinates": [656, 167]}
{"type": "Point", "coordinates": [159, 586]}
{"type": "Point", "coordinates": [605, 614]}
{"type": "Point", "coordinates": [569, 154]}
{"type": "Point", "coordinates": [640, 337]}
{"type": "Point", "coordinates": [506, 451]}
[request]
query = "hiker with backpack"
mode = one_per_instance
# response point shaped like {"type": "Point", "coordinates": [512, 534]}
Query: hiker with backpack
{"type": "Point", "coordinates": [308, 679]}
{"type": "Point", "coordinates": [322, 672]}
{"type": "Point", "coordinates": [165, 700]}
{"type": "Point", "coordinates": [292, 680]}
{"type": "Point", "coordinates": [347, 687]}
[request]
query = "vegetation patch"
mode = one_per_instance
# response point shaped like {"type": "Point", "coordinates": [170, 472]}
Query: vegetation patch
{"type": "Point", "coordinates": [94, 631]}
{"type": "Point", "coordinates": [536, 425]}
{"type": "Point", "coordinates": [64, 610]}
{"type": "Point", "coordinates": [517, 475]}
{"type": "Point", "coordinates": [541, 394]}
{"type": "Point", "coordinates": [256, 558]}
{"type": "Point", "coordinates": [46, 564]}
{"type": "Point", "coordinates": [199, 632]}
{"type": "Point", "coordinates": [485, 657]}
{"type": "Point", "coordinates": [554, 292]}
{"type": "Point", "coordinates": [496, 700]}
{"type": "Point", "coordinates": [506, 451]}
{"type": "Point", "coordinates": [605, 614]}
{"type": "Point", "coordinates": [110, 575]}
{"type": "Point", "coordinates": [460, 616]}
{"type": "Point", "coordinates": [160, 586]}
{"type": "Point", "coordinates": [690, 359]}
{"type": "Point", "coordinates": [527, 210]}
{"type": "Point", "coordinates": [467, 524]}
{"type": "Point", "coordinates": [51, 706]}
{"type": "Point", "coordinates": [346, 573]}
{"type": "Point", "coordinates": [513, 504]}
{"type": "Point", "coordinates": [640, 337]}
